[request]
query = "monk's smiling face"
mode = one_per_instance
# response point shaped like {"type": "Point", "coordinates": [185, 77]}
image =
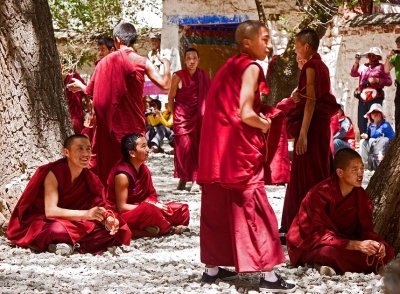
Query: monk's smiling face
{"type": "Point", "coordinates": [141, 154]}
{"type": "Point", "coordinates": [78, 154]}
{"type": "Point", "coordinates": [353, 174]}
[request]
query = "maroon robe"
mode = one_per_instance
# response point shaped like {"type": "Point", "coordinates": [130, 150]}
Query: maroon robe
{"type": "Point", "coordinates": [315, 165]}
{"type": "Point", "coordinates": [117, 89]}
{"type": "Point", "coordinates": [326, 222]}
{"type": "Point", "coordinates": [74, 101]}
{"type": "Point", "coordinates": [188, 113]}
{"type": "Point", "coordinates": [237, 226]}
{"type": "Point", "coordinates": [29, 227]}
{"type": "Point", "coordinates": [140, 190]}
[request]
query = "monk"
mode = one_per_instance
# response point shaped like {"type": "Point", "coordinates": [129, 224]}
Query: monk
{"type": "Point", "coordinates": [117, 90]}
{"type": "Point", "coordinates": [186, 100]}
{"type": "Point", "coordinates": [334, 227]}
{"type": "Point", "coordinates": [62, 208]}
{"type": "Point", "coordinates": [309, 124]}
{"type": "Point", "coordinates": [74, 100]}
{"type": "Point", "coordinates": [105, 46]}
{"type": "Point", "coordinates": [237, 225]}
{"type": "Point", "coordinates": [131, 192]}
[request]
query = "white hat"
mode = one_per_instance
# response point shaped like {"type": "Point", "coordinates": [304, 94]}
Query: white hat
{"type": "Point", "coordinates": [374, 50]}
{"type": "Point", "coordinates": [375, 107]}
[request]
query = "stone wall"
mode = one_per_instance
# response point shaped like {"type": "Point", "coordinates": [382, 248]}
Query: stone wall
{"type": "Point", "coordinates": [338, 49]}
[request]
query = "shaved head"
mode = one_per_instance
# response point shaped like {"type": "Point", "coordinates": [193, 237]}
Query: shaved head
{"type": "Point", "coordinates": [68, 142]}
{"type": "Point", "coordinates": [343, 158]}
{"type": "Point", "coordinates": [248, 29]}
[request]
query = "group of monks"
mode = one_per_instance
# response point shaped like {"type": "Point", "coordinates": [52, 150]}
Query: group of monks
{"type": "Point", "coordinates": [227, 141]}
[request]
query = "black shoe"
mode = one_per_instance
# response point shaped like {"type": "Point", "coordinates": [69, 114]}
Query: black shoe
{"type": "Point", "coordinates": [223, 274]}
{"type": "Point", "coordinates": [279, 286]}
{"type": "Point", "coordinates": [282, 237]}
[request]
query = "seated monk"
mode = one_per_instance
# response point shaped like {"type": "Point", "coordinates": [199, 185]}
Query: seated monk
{"type": "Point", "coordinates": [131, 193]}
{"type": "Point", "coordinates": [62, 208]}
{"type": "Point", "coordinates": [333, 228]}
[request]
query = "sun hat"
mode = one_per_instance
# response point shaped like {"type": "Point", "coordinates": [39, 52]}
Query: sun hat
{"type": "Point", "coordinates": [375, 107]}
{"type": "Point", "coordinates": [374, 50]}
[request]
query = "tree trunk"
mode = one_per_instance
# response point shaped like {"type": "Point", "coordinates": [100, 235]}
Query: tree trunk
{"type": "Point", "coordinates": [283, 70]}
{"type": "Point", "coordinates": [33, 113]}
{"type": "Point", "coordinates": [384, 189]}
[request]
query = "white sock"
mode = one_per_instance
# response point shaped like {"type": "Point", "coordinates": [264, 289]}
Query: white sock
{"type": "Point", "coordinates": [269, 276]}
{"type": "Point", "coordinates": [211, 271]}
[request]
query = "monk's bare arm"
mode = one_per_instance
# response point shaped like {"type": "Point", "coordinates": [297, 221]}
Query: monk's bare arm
{"type": "Point", "coordinates": [301, 145]}
{"type": "Point", "coordinates": [161, 81]}
{"type": "Point", "coordinates": [53, 211]}
{"type": "Point", "coordinates": [388, 65]}
{"type": "Point", "coordinates": [121, 193]}
{"type": "Point", "coordinates": [248, 88]}
{"type": "Point", "coordinates": [172, 92]}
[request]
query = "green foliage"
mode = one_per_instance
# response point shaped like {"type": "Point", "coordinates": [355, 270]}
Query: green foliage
{"type": "Point", "coordinates": [81, 22]}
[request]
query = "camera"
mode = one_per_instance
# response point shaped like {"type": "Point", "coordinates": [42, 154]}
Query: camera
{"type": "Point", "coordinates": [149, 111]}
{"type": "Point", "coordinates": [359, 56]}
{"type": "Point", "coordinates": [365, 83]}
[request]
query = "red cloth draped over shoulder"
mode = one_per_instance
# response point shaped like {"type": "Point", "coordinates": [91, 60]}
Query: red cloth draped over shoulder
{"type": "Point", "coordinates": [140, 184]}
{"type": "Point", "coordinates": [231, 152]}
{"type": "Point", "coordinates": [117, 89]}
{"type": "Point", "coordinates": [315, 224]}
{"type": "Point", "coordinates": [190, 101]}
{"type": "Point", "coordinates": [28, 217]}
{"type": "Point", "coordinates": [326, 105]}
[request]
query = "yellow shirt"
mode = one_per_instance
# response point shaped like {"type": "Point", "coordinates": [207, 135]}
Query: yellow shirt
{"type": "Point", "coordinates": [165, 119]}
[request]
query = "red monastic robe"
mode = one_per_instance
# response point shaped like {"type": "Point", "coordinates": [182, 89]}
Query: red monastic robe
{"type": "Point", "coordinates": [144, 215]}
{"type": "Point", "coordinates": [74, 101]}
{"type": "Point", "coordinates": [188, 113]}
{"type": "Point", "coordinates": [28, 220]}
{"type": "Point", "coordinates": [315, 165]}
{"type": "Point", "coordinates": [238, 226]}
{"type": "Point", "coordinates": [117, 89]}
{"type": "Point", "coordinates": [326, 222]}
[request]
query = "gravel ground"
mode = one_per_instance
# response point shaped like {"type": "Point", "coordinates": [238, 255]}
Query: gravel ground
{"type": "Point", "coordinates": [170, 264]}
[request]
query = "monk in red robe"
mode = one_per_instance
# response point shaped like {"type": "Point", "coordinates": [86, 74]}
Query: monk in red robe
{"type": "Point", "coordinates": [309, 124]}
{"type": "Point", "coordinates": [117, 90]}
{"type": "Point", "coordinates": [74, 100]}
{"type": "Point", "coordinates": [131, 192]}
{"type": "Point", "coordinates": [238, 226]}
{"type": "Point", "coordinates": [63, 207]}
{"type": "Point", "coordinates": [186, 99]}
{"type": "Point", "coordinates": [334, 227]}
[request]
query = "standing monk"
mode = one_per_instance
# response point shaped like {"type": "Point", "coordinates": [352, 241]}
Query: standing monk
{"type": "Point", "coordinates": [186, 99]}
{"type": "Point", "coordinates": [62, 207]}
{"type": "Point", "coordinates": [334, 227]}
{"type": "Point", "coordinates": [117, 90]}
{"type": "Point", "coordinates": [238, 226]}
{"type": "Point", "coordinates": [74, 100]}
{"type": "Point", "coordinates": [309, 123]}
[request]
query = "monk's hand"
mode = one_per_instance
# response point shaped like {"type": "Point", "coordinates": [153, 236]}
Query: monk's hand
{"type": "Point", "coordinates": [296, 96]}
{"type": "Point", "coordinates": [267, 123]}
{"type": "Point", "coordinates": [170, 107]}
{"type": "Point", "coordinates": [76, 86]}
{"type": "Point", "coordinates": [301, 145]}
{"type": "Point", "coordinates": [369, 247]}
{"type": "Point", "coordinates": [157, 204]}
{"type": "Point", "coordinates": [96, 213]}
{"type": "Point", "coordinates": [112, 224]}
{"type": "Point", "coordinates": [364, 136]}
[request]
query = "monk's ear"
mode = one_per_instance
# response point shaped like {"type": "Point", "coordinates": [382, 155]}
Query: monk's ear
{"type": "Point", "coordinates": [246, 43]}
{"type": "Point", "coordinates": [66, 152]}
{"type": "Point", "coordinates": [339, 172]}
{"type": "Point", "coordinates": [132, 153]}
